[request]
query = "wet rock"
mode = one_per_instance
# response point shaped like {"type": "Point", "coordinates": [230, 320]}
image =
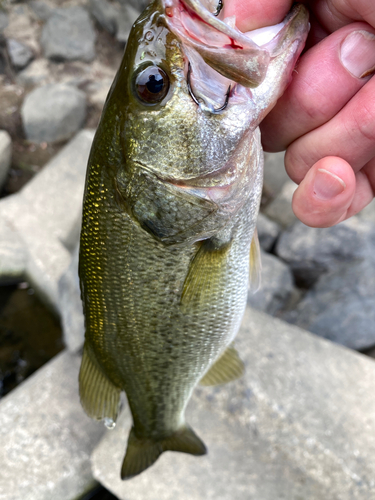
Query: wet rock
{"type": "Point", "coordinates": [20, 55]}
{"type": "Point", "coordinates": [5, 155]}
{"type": "Point", "coordinates": [71, 306]}
{"type": "Point", "coordinates": [311, 252]}
{"type": "Point", "coordinates": [276, 286]}
{"type": "Point", "coordinates": [300, 424]}
{"type": "Point", "coordinates": [36, 73]}
{"type": "Point", "coordinates": [42, 10]}
{"type": "Point", "coordinates": [275, 175]}
{"type": "Point", "coordinates": [280, 209]}
{"type": "Point", "coordinates": [45, 222]}
{"type": "Point", "coordinates": [268, 232]}
{"type": "Point", "coordinates": [105, 14]}
{"type": "Point", "coordinates": [68, 35]}
{"type": "Point", "coordinates": [341, 306]}
{"type": "Point", "coordinates": [126, 18]}
{"type": "Point", "coordinates": [45, 438]}
{"type": "Point", "coordinates": [53, 113]}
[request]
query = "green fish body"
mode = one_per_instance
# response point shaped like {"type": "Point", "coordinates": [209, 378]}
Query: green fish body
{"type": "Point", "coordinates": [172, 194]}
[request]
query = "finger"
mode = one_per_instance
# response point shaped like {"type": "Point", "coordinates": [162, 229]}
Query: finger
{"type": "Point", "coordinates": [327, 77]}
{"type": "Point", "coordinates": [324, 196]}
{"type": "Point", "coordinates": [350, 135]}
{"type": "Point", "coordinates": [331, 193]}
{"type": "Point", "coordinates": [334, 14]}
{"type": "Point", "coordinates": [256, 14]}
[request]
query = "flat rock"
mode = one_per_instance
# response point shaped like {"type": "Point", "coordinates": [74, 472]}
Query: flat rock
{"type": "Point", "coordinates": [13, 254]}
{"type": "Point", "coordinates": [268, 232]}
{"type": "Point", "coordinates": [105, 14]}
{"type": "Point", "coordinates": [45, 438]}
{"type": "Point", "coordinates": [38, 217]}
{"type": "Point", "coordinates": [311, 251]}
{"type": "Point", "coordinates": [69, 34]}
{"type": "Point", "coordinates": [341, 306]}
{"type": "Point", "coordinates": [5, 155]}
{"type": "Point", "coordinates": [19, 53]}
{"type": "Point", "coordinates": [276, 286]}
{"type": "Point", "coordinates": [70, 304]}
{"type": "Point", "coordinates": [54, 112]}
{"type": "Point", "coordinates": [280, 209]}
{"type": "Point", "coordinates": [126, 18]}
{"type": "Point", "coordinates": [299, 425]}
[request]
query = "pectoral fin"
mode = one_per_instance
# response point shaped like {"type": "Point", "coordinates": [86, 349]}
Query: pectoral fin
{"type": "Point", "coordinates": [255, 264]}
{"type": "Point", "coordinates": [99, 397]}
{"type": "Point", "coordinates": [227, 368]}
{"type": "Point", "coordinates": [204, 273]}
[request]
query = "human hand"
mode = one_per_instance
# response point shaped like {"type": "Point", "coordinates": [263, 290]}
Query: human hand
{"type": "Point", "coordinates": [326, 118]}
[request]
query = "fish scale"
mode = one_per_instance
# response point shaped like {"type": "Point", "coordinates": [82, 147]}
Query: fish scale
{"type": "Point", "coordinates": [172, 194]}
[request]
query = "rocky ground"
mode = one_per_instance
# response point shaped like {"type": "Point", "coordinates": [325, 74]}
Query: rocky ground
{"type": "Point", "coordinates": [57, 61]}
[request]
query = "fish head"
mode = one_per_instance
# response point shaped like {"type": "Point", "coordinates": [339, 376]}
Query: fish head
{"type": "Point", "coordinates": [187, 101]}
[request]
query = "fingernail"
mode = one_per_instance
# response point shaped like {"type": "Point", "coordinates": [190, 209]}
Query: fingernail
{"type": "Point", "coordinates": [358, 53]}
{"type": "Point", "coordinates": [327, 185]}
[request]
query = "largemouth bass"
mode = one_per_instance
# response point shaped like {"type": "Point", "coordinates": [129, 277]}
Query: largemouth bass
{"type": "Point", "coordinates": [172, 194]}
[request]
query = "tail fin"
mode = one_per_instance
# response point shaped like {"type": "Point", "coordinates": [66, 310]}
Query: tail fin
{"type": "Point", "coordinates": [142, 453]}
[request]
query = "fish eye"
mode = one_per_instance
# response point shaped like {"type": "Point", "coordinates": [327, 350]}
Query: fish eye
{"type": "Point", "coordinates": [152, 85]}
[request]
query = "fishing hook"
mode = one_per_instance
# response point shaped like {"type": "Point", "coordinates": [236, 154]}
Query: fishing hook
{"type": "Point", "coordinates": [218, 8]}
{"type": "Point", "coordinates": [215, 111]}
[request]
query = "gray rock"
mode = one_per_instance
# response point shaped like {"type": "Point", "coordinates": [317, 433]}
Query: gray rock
{"type": "Point", "coordinates": [341, 306]}
{"type": "Point", "coordinates": [45, 215]}
{"type": "Point", "coordinates": [68, 34]}
{"type": "Point", "coordinates": [70, 305]}
{"type": "Point", "coordinates": [36, 73]}
{"type": "Point", "coordinates": [280, 209]}
{"type": "Point", "coordinates": [53, 112]}
{"type": "Point", "coordinates": [5, 155]}
{"type": "Point", "coordinates": [276, 286]}
{"type": "Point", "coordinates": [20, 55]}
{"type": "Point", "coordinates": [311, 251]}
{"type": "Point", "coordinates": [45, 438]}
{"type": "Point", "coordinates": [105, 14]}
{"type": "Point", "coordinates": [299, 425]}
{"type": "Point", "coordinates": [127, 16]}
{"type": "Point", "coordinates": [268, 232]}
{"type": "Point", "coordinates": [13, 254]}
{"type": "Point", "coordinates": [275, 175]}
{"type": "Point", "coordinates": [368, 213]}
{"type": "Point", "coordinates": [42, 10]}
{"type": "Point", "coordinates": [137, 4]}
{"type": "Point", "coordinates": [4, 20]}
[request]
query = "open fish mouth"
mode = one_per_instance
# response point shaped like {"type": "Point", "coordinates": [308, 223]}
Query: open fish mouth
{"type": "Point", "coordinates": [239, 57]}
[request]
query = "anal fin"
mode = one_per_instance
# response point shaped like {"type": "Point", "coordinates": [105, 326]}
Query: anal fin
{"type": "Point", "coordinates": [142, 453]}
{"type": "Point", "coordinates": [227, 368]}
{"type": "Point", "coordinates": [99, 397]}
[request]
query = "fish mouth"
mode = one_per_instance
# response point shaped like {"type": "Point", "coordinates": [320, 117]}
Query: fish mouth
{"type": "Point", "coordinates": [240, 57]}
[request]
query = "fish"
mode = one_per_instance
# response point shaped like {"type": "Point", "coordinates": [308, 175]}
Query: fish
{"type": "Point", "coordinates": [168, 241]}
